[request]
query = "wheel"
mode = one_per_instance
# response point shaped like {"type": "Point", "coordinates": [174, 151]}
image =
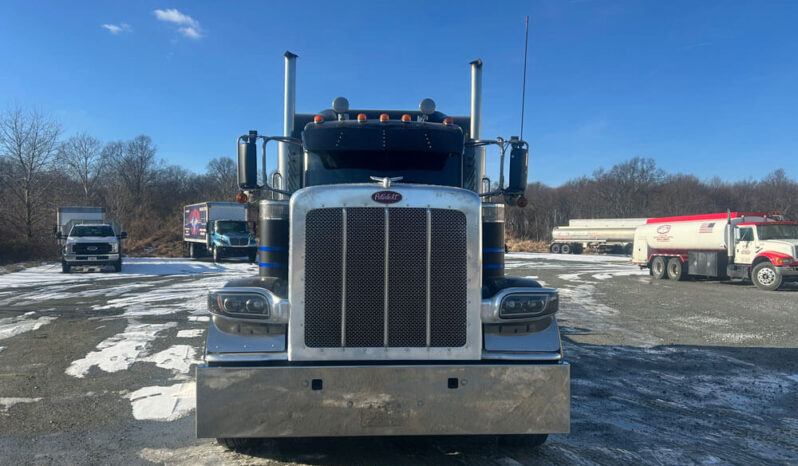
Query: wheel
{"type": "Point", "coordinates": [253, 256]}
{"type": "Point", "coordinates": [765, 276]}
{"type": "Point", "coordinates": [565, 249]}
{"type": "Point", "coordinates": [118, 265]}
{"type": "Point", "coordinates": [238, 444]}
{"type": "Point", "coordinates": [676, 269]}
{"type": "Point", "coordinates": [192, 251]}
{"type": "Point", "coordinates": [555, 248]}
{"type": "Point", "coordinates": [216, 254]}
{"type": "Point", "coordinates": [528, 440]}
{"type": "Point", "coordinates": [65, 268]}
{"type": "Point", "coordinates": [658, 267]}
{"type": "Point", "coordinates": [627, 250]}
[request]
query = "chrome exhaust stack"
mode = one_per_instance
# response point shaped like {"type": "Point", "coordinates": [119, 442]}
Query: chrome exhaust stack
{"type": "Point", "coordinates": [476, 115]}
{"type": "Point", "coordinates": [285, 160]}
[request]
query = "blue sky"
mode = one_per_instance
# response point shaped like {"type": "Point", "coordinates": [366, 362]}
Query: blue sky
{"type": "Point", "coordinates": [709, 88]}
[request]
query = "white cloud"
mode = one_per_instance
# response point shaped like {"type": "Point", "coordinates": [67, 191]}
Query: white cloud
{"type": "Point", "coordinates": [189, 26]}
{"type": "Point", "coordinates": [117, 28]}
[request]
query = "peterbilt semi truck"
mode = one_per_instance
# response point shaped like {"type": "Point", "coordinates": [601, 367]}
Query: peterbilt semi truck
{"type": "Point", "coordinates": [607, 235]}
{"type": "Point", "coordinates": [88, 239]}
{"type": "Point", "coordinates": [381, 307]}
{"type": "Point", "coordinates": [738, 245]}
{"type": "Point", "coordinates": [218, 229]}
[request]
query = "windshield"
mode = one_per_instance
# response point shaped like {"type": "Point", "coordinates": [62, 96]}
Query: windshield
{"type": "Point", "coordinates": [333, 167]}
{"type": "Point", "coordinates": [91, 230]}
{"type": "Point", "coordinates": [777, 231]}
{"type": "Point", "coordinates": [227, 227]}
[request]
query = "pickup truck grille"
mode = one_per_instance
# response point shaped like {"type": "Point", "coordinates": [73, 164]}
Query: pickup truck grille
{"type": "Point", "coordinates": [385, 277]}
{"type": "Point", "coordinates": [91, 248]}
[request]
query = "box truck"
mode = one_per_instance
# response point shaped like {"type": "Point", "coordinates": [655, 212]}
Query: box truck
{"type": "Point", "coordinates": [218, 229]}
{"type": "Point", "coordinates": [88, 239]}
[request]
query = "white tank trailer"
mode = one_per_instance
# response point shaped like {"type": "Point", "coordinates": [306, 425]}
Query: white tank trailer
{"type": "Point", "coordinates": [608, 235]}
{"type": "Point", "coordinates": [747, 245]}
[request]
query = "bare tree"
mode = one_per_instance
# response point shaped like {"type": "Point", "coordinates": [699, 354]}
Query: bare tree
{"type": "Point", "coordinates": [135, 166]}
{"type": "Point", "coordinates": [82, 157]}
{"type": "Point", "coordinates": [28, 142]}
{"type": "Point", "coordinates": [223, 173]}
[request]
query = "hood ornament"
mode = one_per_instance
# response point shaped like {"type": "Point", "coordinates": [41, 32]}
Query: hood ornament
{"type": "Point", "coordinates": [386, 182]}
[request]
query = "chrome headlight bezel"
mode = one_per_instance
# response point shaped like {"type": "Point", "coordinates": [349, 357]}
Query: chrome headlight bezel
{"type": "Point", "coordinates": [275, 310]}
{"type": "Point", "coordinates": [493, 308]}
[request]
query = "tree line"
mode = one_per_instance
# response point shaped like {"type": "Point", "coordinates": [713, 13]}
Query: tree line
{"type": "Point", "coordinates": [41, 170]}
{"type": "Point", "coordinates": [638, 188]}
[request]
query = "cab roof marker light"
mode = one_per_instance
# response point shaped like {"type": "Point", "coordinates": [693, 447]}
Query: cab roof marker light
{"type": "Point", "coordinates": [406, 118]}
{"type": "Point", "coordinates": [384, 117]}
{"type": "Point", "coordinates": [318, 119]}
{"type": "Point", "coordinates": [448, 121]}
{"type": "Point", "coordinates": [361, 117]}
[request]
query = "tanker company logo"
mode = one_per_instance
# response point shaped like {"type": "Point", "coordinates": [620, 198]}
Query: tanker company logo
{"type": "Point", "coordinates": [194, 221]}
{"type": "Point", "coordinates": [386, 197]}
{"type": "Point", "coordinates": [664, 229]}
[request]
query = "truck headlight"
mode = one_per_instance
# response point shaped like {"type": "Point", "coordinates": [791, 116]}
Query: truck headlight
{"type": "Point", "coordinates": [248, 304]}
{"type": "Point", "coordinates": [114, 247]}
{"type": "Point", "coordinates": [520, 304]}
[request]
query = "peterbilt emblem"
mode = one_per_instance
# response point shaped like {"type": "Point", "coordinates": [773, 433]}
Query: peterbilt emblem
{"type": "Point", "coordinates": [91, 248]}
{"type": "Point", "coordinates": [663, 229]}
{"type": "Point", "coordinates": [386, 197]}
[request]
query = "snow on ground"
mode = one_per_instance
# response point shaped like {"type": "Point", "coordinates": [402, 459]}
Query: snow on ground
{"type": "Point", "coordinates": [7, 403]}
{"type": "Point", "coordinates": [13, 326]}
{"type": "Point", "coordinates": [177, 358]}
{"type": "Point", "coordinates": [190, 333]}
{"type": "Point", "coordinates": [160, 403]}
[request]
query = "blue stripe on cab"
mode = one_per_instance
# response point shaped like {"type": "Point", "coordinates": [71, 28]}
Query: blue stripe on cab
{"type": "Point", "coordinates": [493, 266]}
{"type": "Point", "coordinates": [268, 264]}
{"type": "Point", "coordinates": [492, 249]}
{"type": "Point", "coordinates": [271, 248]}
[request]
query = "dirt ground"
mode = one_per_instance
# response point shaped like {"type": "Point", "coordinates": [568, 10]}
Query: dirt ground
{"type": "Point", "coordinates": [96, 368]}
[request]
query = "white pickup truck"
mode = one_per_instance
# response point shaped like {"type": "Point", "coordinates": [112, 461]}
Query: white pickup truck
{"type": "Point", "coordinates": [87, 239]}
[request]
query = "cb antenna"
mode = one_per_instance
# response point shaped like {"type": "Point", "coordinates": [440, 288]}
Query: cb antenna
{"type": "Point", "coordinates": [523, 86]}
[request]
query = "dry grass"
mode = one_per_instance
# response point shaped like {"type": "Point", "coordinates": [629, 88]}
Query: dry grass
{"type": "Point", "coordinates": [525, 245]}
{"type": "Point", "coordinates": [163, 243]}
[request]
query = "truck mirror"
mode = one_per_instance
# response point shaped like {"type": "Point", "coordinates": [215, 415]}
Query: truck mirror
{"type": "Point", "coordinates": [737, 234]}
{"type": "Point", "coordinates": [58, 235]}
{"type": "Point", "coordinates": [519, 158]}
{"type": "Point", "coordinates": [123, 235]}
{"type": "Point", "coordinates": [248, 161]}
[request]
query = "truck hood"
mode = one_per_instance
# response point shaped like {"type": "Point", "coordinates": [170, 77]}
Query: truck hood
{"type": "Point", "coordinates": [91, 239]}
{"type": "Point", "coordinates": [784, 246]}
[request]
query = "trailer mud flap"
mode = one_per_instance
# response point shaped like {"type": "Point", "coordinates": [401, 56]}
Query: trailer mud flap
{"type": "Point", "coordinates": [382, 400]}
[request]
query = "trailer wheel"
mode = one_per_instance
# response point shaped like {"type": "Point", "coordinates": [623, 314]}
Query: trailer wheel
{"type": "Point", "coordinates": [658, 267]}
{"type": "Point", "coordinates": [555, 248]}
{"type": "Point", "coordinates": [627, 250]}
{"type": "Point", "coordinates": [238, 444]}
{"type": "Point", "coordinates": [216, 255]}
{"type": "Point", "coordinates": [676, 269]}
{"type": "Point", "coordinates": [765, 277]}
{"type": "Point", "coordinates": [65, 268]}
{"type": "Point", "coordinates": [192, 253]}
{"type": "Point", "coordinates": [529, 440]}
{"type": "Point", "coordinates": [565, 248]}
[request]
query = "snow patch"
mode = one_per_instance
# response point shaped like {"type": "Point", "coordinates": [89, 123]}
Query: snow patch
{"type": "Point", "coordinates": [159, 403]}
{"type": "Point", "coordinates": [190, 333]}
{"type": "Point", "coordinates": [120, 351]}
{"type": "Point", "coordinates": [178, 358]}
{"type": "Point", "coordinates": [7, 403]}
{"type": "Point", "coordinates": [13, 326]}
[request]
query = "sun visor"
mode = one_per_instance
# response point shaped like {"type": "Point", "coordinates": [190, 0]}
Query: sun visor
{"type": "Point", "coordinates": [387, 136]}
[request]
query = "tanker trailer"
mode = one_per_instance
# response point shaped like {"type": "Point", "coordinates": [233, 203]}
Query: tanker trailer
{"type": "Point", "coordinates": [607, 235]}
{"type": "Point", "coordinates": [738, 245]}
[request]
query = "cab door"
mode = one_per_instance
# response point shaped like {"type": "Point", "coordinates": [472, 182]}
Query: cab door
{"type": "Point", "coordinates": [744, 247]}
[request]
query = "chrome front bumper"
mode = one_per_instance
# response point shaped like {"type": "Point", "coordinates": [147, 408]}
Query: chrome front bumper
{"type": "Point", "coordinates": [89, 259]}
{"type": "Point", "coordinates": [331, 401]}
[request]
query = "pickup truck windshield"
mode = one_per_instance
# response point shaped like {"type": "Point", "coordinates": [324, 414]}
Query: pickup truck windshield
{"type": "Point", "coordinates": [333, 167]}
{"type": "Point", "coordinates": [778, 231]}
{"type": "Point", "coordinates": [227, 227]}
{"type": "Point", "coordinates": [91, 230]}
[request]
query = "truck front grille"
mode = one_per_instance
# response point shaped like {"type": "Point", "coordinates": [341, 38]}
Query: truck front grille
{"type": "Point", "coordinates": [239, 241]}
{"type": "Point", "coordinates": [385, 277]}
{"type": "Point", "coordinates": [91, 248]}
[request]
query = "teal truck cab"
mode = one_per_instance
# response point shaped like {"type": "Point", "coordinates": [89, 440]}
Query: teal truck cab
{"type": "Point", "coordinates": [218, 229]}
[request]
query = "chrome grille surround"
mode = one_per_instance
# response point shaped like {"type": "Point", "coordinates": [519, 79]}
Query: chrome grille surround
{"type": "Point", "coordinates": [438, 323]}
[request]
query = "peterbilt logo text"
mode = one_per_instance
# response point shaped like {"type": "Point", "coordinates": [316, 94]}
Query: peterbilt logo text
{"type": "Point", "coordinates": [663, 229]}
{"type": "Point", "coordinates": [386, 197]}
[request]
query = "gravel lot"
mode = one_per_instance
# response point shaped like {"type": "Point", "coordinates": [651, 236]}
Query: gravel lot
{"type": "Point", "coordinates": [97, 368]}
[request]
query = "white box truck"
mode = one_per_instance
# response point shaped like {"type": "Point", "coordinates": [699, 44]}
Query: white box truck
{"type": "Point", "coordinates": [88, 239]}
{"type": "Point", "coordinates": [746, 245]}
{"type": "Point", "coordinates": [218, 229]}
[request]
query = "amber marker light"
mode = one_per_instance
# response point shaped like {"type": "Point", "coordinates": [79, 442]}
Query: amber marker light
{"type": "Point", "coordinates": [384, 117]}
{"type": "Point", "coordinates": [406, 118]}
{"type": "Point", "coordinates": [448, 121]}
{"type": "Point", "coordinates": [318, 119]}
{"type": "Point", "coordinates": [241, 198]}
{"type": "Point", "coordinates": [361, 117]}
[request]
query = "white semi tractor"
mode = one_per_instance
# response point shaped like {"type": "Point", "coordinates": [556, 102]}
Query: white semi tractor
{"type": "Point", "coordinates": [743, 245]}
{"type": "Point", "coordinates": [608, 235]}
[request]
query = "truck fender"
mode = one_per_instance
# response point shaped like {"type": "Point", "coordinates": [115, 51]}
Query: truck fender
{"type": "Point", "coordinates": [774, 257]}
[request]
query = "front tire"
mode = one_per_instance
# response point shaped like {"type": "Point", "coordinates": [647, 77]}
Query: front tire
{"type": "Point", "coordinates": [676, 269]}
{"type": "Point", "coordinates": [217, 256]}
{"type": "Point", "coordinates": [658, 267]}
{"type": "Point", "coordinates": [238, 444]}
{"type": "Point", "coordinates": [118, 265]}
{"type": "Point", "coordinates": [528, 440]}
{"type": "Point", "coordinates": [565, 249]}
{"type": "Point", "coordinates": [65, 268]}
{"type": "Point", "coordinates": [766, 277]}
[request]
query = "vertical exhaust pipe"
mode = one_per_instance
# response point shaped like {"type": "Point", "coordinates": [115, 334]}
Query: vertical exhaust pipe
{"type": "Point", "coordinates": [285, 162]}
{"type": "Point", "coordinates": [476, 116]}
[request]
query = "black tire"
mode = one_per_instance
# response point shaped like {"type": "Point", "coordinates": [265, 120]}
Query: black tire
{"type": "Point", "coordinates": [192, 252]}
{"type": "Point", "coordinates": [676, 269]}
{"type": "Point", "coordinates": [766, 277]}
{"type": "Point", "coordinates": [253, 257]}
{"type": "Point", "coordinates": [565, 248]}
{"type": "Point", "coordinates": [627, 250]}
{"type": "Point", "coordinates": [658, 268]}
{"type": "Point", "coordinates": [118, 265]}
{"type": "Point", "coordinates": [65, 268]}
{"type": "Point", "coordinates": [555, 248]}
{"type": "Point", "coordinates": [528, 440]}
{"type": "Point", "coordinates": [238, 444]}
{"type": "Point", "coordinates": [216, 255]}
